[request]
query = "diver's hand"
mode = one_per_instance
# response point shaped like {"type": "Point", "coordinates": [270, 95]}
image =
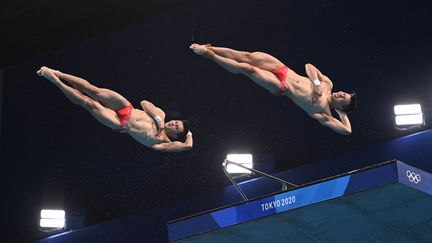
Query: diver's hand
{"type": "Point", "coordinates": [160, 123]}
{"type": "Point", "coordinates": [161, 127]}
{"type": "Point", "coordinates": [316, 94]}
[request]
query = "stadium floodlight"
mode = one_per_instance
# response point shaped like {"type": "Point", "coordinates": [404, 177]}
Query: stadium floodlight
{"type": "Point", "coordinates": [52, 219]}
{"type": "Point", "coordinates": [407, 116]}
{"type": "Point", "coordinates": [243, 159]}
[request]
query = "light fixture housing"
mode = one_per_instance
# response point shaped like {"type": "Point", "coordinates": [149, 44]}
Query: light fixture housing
{"type": "Point", "coordinates": [408, 116]}
{"type": "Point", "coordinates": [52, 219]}
{"type": "Point", "coordinates": [243, 159]}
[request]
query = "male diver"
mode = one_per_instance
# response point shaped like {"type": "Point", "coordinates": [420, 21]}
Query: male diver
{"type": "Point", "coordinates": [313, 94]}
{"type": "Point", "coordinates": [147, 126]}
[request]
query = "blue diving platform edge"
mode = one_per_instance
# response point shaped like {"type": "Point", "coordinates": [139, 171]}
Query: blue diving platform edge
{"type": "Point", "coordinates": [329, 188]}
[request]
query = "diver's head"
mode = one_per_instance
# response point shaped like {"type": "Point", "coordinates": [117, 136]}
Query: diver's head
{"type": "Point", "coordinates": [343, 101]}
{"type": "Point", "coordinates": [177, 130]}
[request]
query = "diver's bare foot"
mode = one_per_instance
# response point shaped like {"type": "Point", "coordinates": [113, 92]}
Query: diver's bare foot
{"type": "Point", "coordinates": [49, 74]}
{"type": "Point", "coordinates": [202, 50]}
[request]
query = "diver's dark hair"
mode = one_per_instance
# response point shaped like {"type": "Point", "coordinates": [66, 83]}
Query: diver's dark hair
{"type": "Point", "coordinates": [352, 105]}
{"type": "Point", "coordinates": [181, 137]}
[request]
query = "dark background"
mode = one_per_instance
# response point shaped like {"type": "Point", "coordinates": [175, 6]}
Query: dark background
{"type": "Point", "coordinates": [54, 154]}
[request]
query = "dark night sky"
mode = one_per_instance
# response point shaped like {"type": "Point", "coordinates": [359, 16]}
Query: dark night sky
{"type": "Point", "coordinates": [55, 153]}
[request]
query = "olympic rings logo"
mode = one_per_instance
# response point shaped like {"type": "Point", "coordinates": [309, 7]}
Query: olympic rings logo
{"type": "Point", "coordinates": [413, 177]}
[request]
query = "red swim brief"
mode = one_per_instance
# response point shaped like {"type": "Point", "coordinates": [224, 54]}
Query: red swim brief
{"type": "Point", "coordinates": [281, 73]}
{"type": "Point", "coordinates": [124, 115]}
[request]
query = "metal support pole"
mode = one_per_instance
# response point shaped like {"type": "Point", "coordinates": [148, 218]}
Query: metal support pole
{"type": "Point", "coordinates": [260, 173]}
{"type": "Point", "coordinates": [240, 191]}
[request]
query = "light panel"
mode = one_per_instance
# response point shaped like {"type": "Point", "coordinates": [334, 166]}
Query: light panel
{"type": "Point", "coordinates": [407, 109]}
{"type": "Point", "coordinates": [53, 214]}
{"type": "Point", "coordinates": [52, 223]}
{"type": "Point", "coordinates": [415, 119]}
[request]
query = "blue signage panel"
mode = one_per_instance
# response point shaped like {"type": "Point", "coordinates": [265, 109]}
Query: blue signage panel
{"type": "Point", "coordinates": [281, 202]}
{"type": "Point", "coordinates": [415, 178]}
